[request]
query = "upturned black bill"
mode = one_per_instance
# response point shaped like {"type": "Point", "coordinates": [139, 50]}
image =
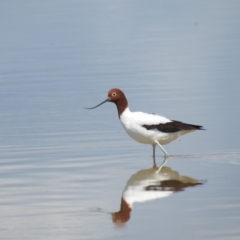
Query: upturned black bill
{"type": "Point", "coordinates": [98, 104]}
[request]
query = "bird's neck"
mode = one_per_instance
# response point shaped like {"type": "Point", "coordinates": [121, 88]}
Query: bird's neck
{"type": "Point", "coordinates": [122, 105]}
{"type": "Point", "coordinates": [123, 214]}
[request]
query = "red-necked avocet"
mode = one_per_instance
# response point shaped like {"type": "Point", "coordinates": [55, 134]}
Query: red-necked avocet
{"type": "Point", "coordinates": [147, 128]}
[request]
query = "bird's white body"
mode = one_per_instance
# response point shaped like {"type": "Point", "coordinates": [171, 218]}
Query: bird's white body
{"type": "Point", "coordinates": [133, 121]}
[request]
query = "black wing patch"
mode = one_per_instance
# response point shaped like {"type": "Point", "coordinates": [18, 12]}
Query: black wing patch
{"type": "Point", "coordinates": [172, 185]}
{"type": "Point", "coordinates": [171, 127]}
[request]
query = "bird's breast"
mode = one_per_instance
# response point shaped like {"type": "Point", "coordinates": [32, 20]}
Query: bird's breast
{"type": "Point", "coordinates": [137, 132]}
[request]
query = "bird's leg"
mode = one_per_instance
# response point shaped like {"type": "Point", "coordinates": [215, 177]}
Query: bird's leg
{"type": "Point", "coordinates": [164, 161]}
{"type": "Point", "coordinates": [154, 161]}
{"type": "Point", "coordinates": [165, 153]}
{"type": "Point", "coordinates": [154, 146]}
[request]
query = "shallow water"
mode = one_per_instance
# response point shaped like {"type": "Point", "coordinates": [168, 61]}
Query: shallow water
{"type": "Point", "coordinates": [65, 170]}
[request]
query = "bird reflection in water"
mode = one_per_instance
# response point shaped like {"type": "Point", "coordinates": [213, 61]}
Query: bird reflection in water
{"type": "Point", "coordinates": [150, 184]}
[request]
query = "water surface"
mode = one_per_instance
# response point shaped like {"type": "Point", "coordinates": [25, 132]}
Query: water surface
{"type": "Point", "coordinates": [65, 170]}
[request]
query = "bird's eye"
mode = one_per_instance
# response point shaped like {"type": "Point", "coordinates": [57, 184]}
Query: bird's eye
{"type": "Point", "coordinates": [114, 94]}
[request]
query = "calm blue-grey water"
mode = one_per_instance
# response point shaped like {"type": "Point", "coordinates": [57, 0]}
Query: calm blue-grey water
{"type": "Point", "coordinates": [65, 170]}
